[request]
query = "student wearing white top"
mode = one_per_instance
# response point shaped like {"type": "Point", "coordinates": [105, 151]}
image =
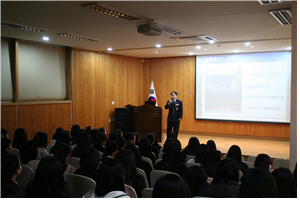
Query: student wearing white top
{"type": "Point", "coordinates": [41, 140]}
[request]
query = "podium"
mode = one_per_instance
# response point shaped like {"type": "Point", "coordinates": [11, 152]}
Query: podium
{"type": "Point", "coordinates": [145, 119]}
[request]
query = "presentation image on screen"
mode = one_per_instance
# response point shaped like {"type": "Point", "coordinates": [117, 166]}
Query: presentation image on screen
{"type": "Point", "coordinates": [244, 87]}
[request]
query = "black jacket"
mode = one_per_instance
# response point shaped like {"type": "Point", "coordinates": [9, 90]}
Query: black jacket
{"type": "Point", "coordinates": [175, 111]}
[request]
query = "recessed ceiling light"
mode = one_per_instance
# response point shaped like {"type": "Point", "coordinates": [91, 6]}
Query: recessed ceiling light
{"type": "Point", "coordinates": [191, 53]}
{"type": "Point", "coordinates": [156, 51]}
{"type": "Point", "coordinates": [198, 47]}
{"type": "Point", "coordinates": [247, 44]}
{"type": "Point", "coordinates": [205, 49]}
{"type": "Point", "coordinates": [158, 45]}
{"type": "Point", "coordinates": [45, 38]}
{"type": "Point", "coordinates": [109, 49]}
{"type": "Point", "coordinates": [236, 51]}
{"type": "Point", "coordinates": [252, 46]}
{"type": "Point", "coordinates": [288, 48]}
{"type": "Point", "coordinates": [78, 37]}
{"type": "Point", "coordinates": [211, 42]}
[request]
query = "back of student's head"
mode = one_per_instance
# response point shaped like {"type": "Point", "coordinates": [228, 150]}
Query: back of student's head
{"type": "Point", "coordinates": [113, 136]}
{"type": "Point", "coordinates": [61, 152]}
{"type": "Point", "coordinates": [170, 140]}
{"type": "Point", "coordinates": [41, 139]}
{"type": "Point", "coordinates": [285, 183]}
{"type": "Point", "coordinates": [93, 134]}
{"type": "Point", "coordinates": [235, 153]}
{"type": "Point", "coordinates": [99, 141]}
{"type": "Point", "coordinates": [129, 136]}
{"type": "Point", "coordinates": [227, 170]}
{"type": "Point", "coordinates": [263, 160]}
{"type": "Point", "coordinates": [102, 129]}
{"type": "Point", "coordinates": [4, 133]}
{"type": "Point", "coordinates": [193, 144]}
{"type": "Point", "coordinates": [5, 143]}
{"type": "Point", "coordinates": [135, 152]}
{"type": "Point", "coordinates": [83, 142]}
{"type": "Point", "coordinates": [28, 151]}
{"type": "Point", "coordinates": [9, 165]}
{"type": "Point", "coordinates": [63, 137]}
{"type": "Point", "coordinates": [171, 186]}
{"type": "Point", "coordinates": [126, 157]}
{"type": "Point", "coordinates": [110, 177]}
{"type": "Point", "coordinates": [258, 183]}
{"type": "Point", "coordinates": [211, 145]}
{"type": "Point", "coordinates": [151, 138]}
{"type": "Point", "coordinates": [111, 147]}
{"type": "Point", "coordinates": [145, 146]}
{"type": "Point", "coordinates": [171, 135]}
{"type": "Point", "coordinates": [20, 138]}
{"type": "Point", "coordinates": [88, 130]}
{"type": "Point", "coordinates": [13, 191]}
{"type": "Point", "coordinates": [212, 156]}
{"type": "Point", "coordinates": [137, 137]}
{"type": "Point", "coordinates": [202, 150]}
{"type": "Point", "coordinates": [195, 177]}
{"type": "Point", "coordinates": [119, 132]}
{"type": "Point", "coordinates": [74, 131]}
{"type": "Point", "coordinates": [121, 141]}
{"type": "Point", "coordinates": [49, 177]}
{"type": "Point", "coordinates": [57, 131]}
{"type": "Point", "coordinates": [90, 159]}
{"type": "Point", "coordinates": [172, 152]}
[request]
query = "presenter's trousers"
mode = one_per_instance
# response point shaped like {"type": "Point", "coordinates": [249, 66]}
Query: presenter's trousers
{"type": "Point", "coordinates": [175, 126]}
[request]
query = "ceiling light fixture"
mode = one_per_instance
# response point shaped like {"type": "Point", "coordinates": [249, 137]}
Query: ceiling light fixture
{"type": "Point", "coordinates": [45, 38]}
{"type": "Point", "coordinates": [236, 51]}
{"type": "Point", "coordinates": [169, 30]}
{"type": "Point", "coordinates": [198, 47]}
{"type": "Point", "coordinates": [288, 48]}
{"type": "Point", "coordinates": [211, 42]}
{"type": "Point", "coordinates": [267, 2]}
{"type": "Point", "coordinates": [158, 45]}
{"type": "Point", "coordinates": [78, 37]}
{"type": "Point", "coordinates": [156, 51]}
{"type": "Point", "coordinates": [284, 17]}
{"type": "Point", "coordinates": [247, 44]}
{"type": "Point", "coordinates": [24, 27]}
{"type": "Point", "coordinates": [109, 49]}
{"type": "Point", "coordinates": [110, 12]}
{"type": "Point", "coordinates": [191, 53]}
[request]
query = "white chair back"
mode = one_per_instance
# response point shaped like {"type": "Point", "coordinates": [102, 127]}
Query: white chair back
{"type": "Point", "coordinates": [147, 193]}
{"type": "Point", "coordinates": [48, 155]}
{"type": "Point", "coordinates": [250, 164]}
{"type": "Point", "coordinates": [130, 191]}
{"type": "Point", "coordinates": [210, 179]}
{"type": "Point", "coordinates": [160, 155]}
{"type": "Point", "coordinates": [141, 172]}
{"type": "Point", "coordinates": [100, 155]}
{"type": "Point", "coordinates": [26, 175]}
{"type": "Point", "coordinates": [49, 147]}
{"type": "Point", "coordinates": [52, 142]}
{"type": "Point", "coordinates": [75, 162]}
{"type": "Point", "coordinates": [192, 164]}
{"type": "Point", "coordinates": [148, 160]}
{"type": "Point", "coordinates": [38, 157]}
{"type": "Point", "coordinates": [78, 185]}
{"type": "Point", "coordinates": [157, 160]}
{"type": "Point", "coordinates": [16, 152]}
{"type": "Point", "coordinates": [161, 149]}
{"type": "Point", "coordinates": [156, 174]}
{"type": "Point", "coordinates": [188, 157]}
{"type": "Point", "coordinates": [278, 162]}
{"type": "Point", "coordinates": [251, 159]}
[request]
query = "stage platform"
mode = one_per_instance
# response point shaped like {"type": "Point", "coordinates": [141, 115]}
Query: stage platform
{"type": "Point", "coordinates": [250, 145]}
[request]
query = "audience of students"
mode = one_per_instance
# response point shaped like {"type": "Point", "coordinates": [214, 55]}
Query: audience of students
{"type": "Point", "coordinates": [57, 131]}
{"type": "Point", "coordinates": [63, 153]}
{"type": "Point", "coordinates": [151, 139]}
{"type": "Point", "coordinates": [111, 150]}
{"type": "Point", "coordinates": [191, 148]}
{"type": "Point", "coordinates": [211, 162]}
{"type": "Point", "coordinates": [130, 138]}
{"type": "Point", "coordinates": [20, 138]}
{"type": "Point", "coordinates": [285, 182]}
{"type": "Point", "coordinates": [99, 141]}
{"type": "Point", "coordinates": [83, 142]}
{"type": "Point", "coordinates": [195, 177]}
{"type": "Point", "coordinates": [63, 137]}
{"type": "Point", "coordinates": [6, 146]}
{"type": "Point", "coordinates": [113, 136]}
{"type": "Point", "coordinates": [264, 161]}
{"type": "Point", "coordinates": [145, 150]}
{"type": "Point", "coordinates": [235, 153]}
{"type": "Point", "coordinates": [29, 153]}
{"type": "Point", "coordinates": [41, 139]}
{"type": "Point", "coordinates": [121, 141]}
{"type": "Point", "coordinates": [74, 132]}
{"type": "Point", "coordinates": [171, 186]}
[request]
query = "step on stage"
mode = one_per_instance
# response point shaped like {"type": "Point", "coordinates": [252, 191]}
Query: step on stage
{"type": "Point", "coordinates": [250, 145]}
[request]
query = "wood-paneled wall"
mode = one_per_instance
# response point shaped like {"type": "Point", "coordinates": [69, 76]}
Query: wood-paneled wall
{"type": "Point", "coordinates": [179, 74]}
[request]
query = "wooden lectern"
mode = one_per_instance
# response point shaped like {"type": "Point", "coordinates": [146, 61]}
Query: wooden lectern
{"type": "Point", "coordinates": [145, 119]}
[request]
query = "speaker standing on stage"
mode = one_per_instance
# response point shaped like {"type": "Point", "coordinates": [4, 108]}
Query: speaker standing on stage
{"type": "Point", "coordinates": [175, 113]}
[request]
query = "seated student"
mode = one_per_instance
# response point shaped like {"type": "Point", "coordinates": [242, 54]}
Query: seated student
{"type": "Point", "coordinates": [111, 150]}
{"type": "Point", "coordinates": [83, 142]}
{"type": "Point", "coordinates": [195, 177]}
{"type": "Point", "coordinates": [29, 153]}
{"type": "Point", "coordinates": [119, 132]}
{"type": "Point", "coordinates": [20, 138]}
{"type": "Point", "coordinates": [48, 181]}
{"type": "Point", "coordinates": [6, 146]}
{"type": "Point", "coordinates": [146, 151]}
{"type": "Point", "coordinates": [57, 131]}
{"type": "Point", "coordinates": [258, 183]}
{"type": "Point", "coordinates": [155, 144]}
{"type": "Point", "coordinates": [171, 159]}
{"type": "Point", "coordinates": [10, 169]}
{"type": "Point", "coordinates": [210, 162]}
{"type": "Point", "coordinates": [285, 183]}
{"type": "Point", "coordinates": [130, 138]}
{"type": "Point", "coordinates": [139, 162]}
{"type": "Point", "coordinates": [89, 162]}
{"type": "Point", "coordinates": [63, 137]}
{"type": "Point", "coordinates": [99, 141]}
{"type": "Point", "coordinates": [110, 181]}
{"type": "Point", "coordinates": [88, 130]}
{"type": "Point", "coordinates": [113, 136]}
{"type": "Point", "coordinates": [41, 140]}
{"type": "Point", "coordinates": [264, 161]}
{"type": "Point", "coordinates": [171, 186]}
{"type": "Point", "coordinates": [13, 191]}
{"type": "Point", "coordinates": [63, 153]}
{"type": "Point", "coordinates": [191, 148]}
{"type": "Point", "coordinates": [4, 133]}
{"type": "Point", "coordinates": [182, 155]}
{"type": "Point", "coordinates": [121, 141]}
{"type": "Point", "coordinates": [201, 152]}
{"type": "Point", "coordinates": [132, 178]}
{"type": "Point", "coordinates": [93, 134]}
{"type": "Point", "coordinates": [103, 130]}
{"type": "Point", "coordinates": [211, 145]}
{"type": "Point", "coordinates": [137, 138]}
{"type": "Point", "coordinates": [74, 132]}
{"type": "Point", "coordinates": [225, 183]}
{"type": "Point", "coordinates": [151, 139]}
{"type": "Point", "coordinates": [235, 153]}
{"type": "Point", "coordinates": [171, 135]}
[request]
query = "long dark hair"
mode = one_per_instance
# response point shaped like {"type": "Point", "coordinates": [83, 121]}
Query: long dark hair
{"type": "Point", "coordinates": [28, 151]}
{"type": "Point", "coordinates": [20, 138]}
{"type": "Point", "coordinates": [98, 140]}
{"type": "Point", "coordinates": [211, 145]}
{"type": "Point", "coordinates": [63, 137]}
{"type": "Point", "coordinates": [126, 157]}
{"type": "Point", "coordinates": [49, 179]}
{"type": "Point", "coordinates": [9, 165]}
{"type": "Point", "coordinates": [145, 147]}
{"type": "Point", "coordinates": [285, 183]}
{"type": "Point", "coordinates": [5, 142]}
{"type": "Point", "coordinates": [263, 160]}
{"type": "Point", "coordinates": [192, 146]}
{"type": "Point", "coordinates": [235, 153]}
{"type": "Point", "coordinates": [89, 159]}
{"type": "Point", "coordinates": [57, 131]}
{"type": "Point", "coordinates": [202, 150]}
{"type": "Point", "coordinates": [83, 142]}
{"type": "Point", "coordinates": [61, 152]}
{"type": "Point", "coordinates": [41, 139]}
{"type": "Point", "coordinates": [195, 177]}
{"type": "Point", "coordinates": [110, 177]}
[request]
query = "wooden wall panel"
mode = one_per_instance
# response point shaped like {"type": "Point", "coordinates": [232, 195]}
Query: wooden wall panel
{"type": "Point", "coordinates": [179, 74]}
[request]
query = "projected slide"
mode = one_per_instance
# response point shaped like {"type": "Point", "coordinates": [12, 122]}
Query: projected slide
{"type": "Point", "coordinates": [244, 87]}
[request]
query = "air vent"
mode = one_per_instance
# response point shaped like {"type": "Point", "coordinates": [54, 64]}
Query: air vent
{"type": "Point", "coordinates": [195, 39]}
{"type": "Point", "coordinates": [24, 27]}
{"type": "Point", "coordinates": [284, 17]}
{"type": "Point", "coordinates": [267, 2]}
{"type": "Point", "coordinates": [78, 37]}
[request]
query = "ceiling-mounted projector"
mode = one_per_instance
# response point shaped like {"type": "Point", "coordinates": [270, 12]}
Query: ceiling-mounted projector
{"type": "Point", "coordinates": [149, 29]}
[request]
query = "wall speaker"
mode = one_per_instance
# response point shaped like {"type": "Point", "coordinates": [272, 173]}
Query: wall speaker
{"type": "Point", "coordinates": [122, 119]}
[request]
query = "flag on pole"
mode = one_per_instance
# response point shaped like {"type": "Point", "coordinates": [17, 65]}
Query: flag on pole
{"type": "Point", "coordinates": [152, 95]}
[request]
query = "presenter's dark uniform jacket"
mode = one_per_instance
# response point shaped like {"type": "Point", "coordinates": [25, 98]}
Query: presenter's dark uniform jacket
{"type": "Point", "coordinates": [175, 112]}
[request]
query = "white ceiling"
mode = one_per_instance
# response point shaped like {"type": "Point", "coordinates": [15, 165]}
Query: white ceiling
{"type": "Point", "coordinates": [232, 23]}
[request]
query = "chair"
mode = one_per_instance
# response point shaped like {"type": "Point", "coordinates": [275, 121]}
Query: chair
{"type": "Point", "coordinates": [38, 157]}
{"type": "Point", "coordinates": [250, 164]}
{"type": "Point", "coordinates": [49, 147]}
{"type": "Point", "coordinates": [251, 159]}
{"type": "Point", "coordinates": [75, 162]}
{"type": "Point", "coordinates": [278, 162]}
{"type": "Point", "coordinates": [100, 155]}
{"type": "Point", "coordinates": [147, 193]}
{"type": "Point", "coordinates": [240, 174]}
{"type": "Point", "coordinates": [188, 157]}
{"type": "Point", "coordinates": [78, 185]}
{"type": "Point", "coordinates": [154, 155]}
{"type": "Point", "coordinates": [99, 165]}
{"type": "Point", "coordinates": [156, 174]}
{"type": "Point", "coordinates": [148, 160]}
{"type": "Point", "coordinates": [52, 142]}
{"type": "Point", "coordinates": [192, 164]}
{"type": "Point", "coordinates": [26, 175]}
{"type": "Point", "coordinates": [48, 155]}
{"type": "Point", "coordinates": [16, 152]}
{"type": "Point", "coordinates": [160, 155]}
{"type": "Point", "coordinates": [161, 149]}
{"type": "Point", "coordinates": [158, 160]}
{"type": "Point", "coordinates": [210, 179]}
{"type": "Point", "coordinates": [130, 191]}
{"type": "Point", "coordinates": [141, 172]}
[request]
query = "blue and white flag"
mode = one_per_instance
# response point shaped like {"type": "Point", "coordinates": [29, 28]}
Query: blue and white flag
{"type": "Point", "coordinates": [152, 95]}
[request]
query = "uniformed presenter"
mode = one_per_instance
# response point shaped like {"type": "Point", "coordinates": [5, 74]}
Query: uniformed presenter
{"type": "Point", "coordinates": [175, 113]}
